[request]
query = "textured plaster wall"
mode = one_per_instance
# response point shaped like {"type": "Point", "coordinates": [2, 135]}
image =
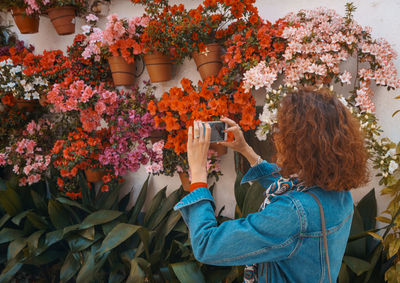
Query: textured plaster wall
{"type": "Point", "coordinates": [381, 15]}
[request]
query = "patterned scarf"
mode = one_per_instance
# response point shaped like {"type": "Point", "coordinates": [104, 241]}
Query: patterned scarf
{"type": "Point", "coordinates": [279, 187]}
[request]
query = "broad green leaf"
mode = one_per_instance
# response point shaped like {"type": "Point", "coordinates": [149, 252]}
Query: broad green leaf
{"type": "Point", "coordinates": [254, 197]}
{"type": "Point", "coordinates": [8, 235]}
{"type": "Point", "coordinates": [4, 220]}
{"type": "Point", "coordinates": [108, 200]}
{"type": "Point", "coordinates": [119, 234]}
{"type": "Point", "coordinates": [240, 190]}
{"type": "Point", "coordinates": [136, 274]}
{"type": "Point", "coordinates": [33, 241]}
{"type": "Point", "coordinates": [69, 268]}
{"type": "Point", "coordinates": [86, 195]}
{"type": "Point", "coordinates": [10, 202]}
{"type": "Point", "coordinates": [109, 226]}
{"type": "Point", "coordinates": [71, 228]}
{"type": "Point", "coordinates": [358, 266]}
{"type": "Point", "coordinates": [99, 217]}
{"type": "Point", "coordinates": [344, 276]}
{"type": "Point", "coordinates": [38, 200]}
{"type": "Point", "coordinates": [71, 202]}
{"type": "Point", "coordinates": [15, 247]}
{"type": "Point", "coordinates": [88, 233]}
{"type": "Point", "coordinates": [139, 202]}
{"type": "Point", "coordinates": [188, 272]}
{"type": "Point", "coordinates": [377, 254]}
{"type": "Point", "coordinates": [394, 247]}
{"type": "Point", "coordinates": [78, 243]}
{"type": "Point", "coordinates": [154, 206]}
{"type": "Point", "coordinates": [38, 221]}
{"type": "Point", "coordinates": [376, 236]}
{"type": "Point", "coordinates": [46, 257]}
{"type": "Point", "coordinates": [124, 201]}
{"type": "Point", "coordinates": [166, 207]}
{"type": "Point", "coordinates": [17, 218]}
{"type": "Point", "coordinates": [91, 265]}
{"type": "Point", "coordinates": [10, 270]}
{"type": "Point", "coordinates": [367, 209]}
{"type": "Point", "coordinates": [59, 216]}
{"type": "Point", "coordinates": [357, 248]}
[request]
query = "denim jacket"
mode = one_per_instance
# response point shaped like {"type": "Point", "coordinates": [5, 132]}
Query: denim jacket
{"type": "Point", "coordinates": [285, 239]}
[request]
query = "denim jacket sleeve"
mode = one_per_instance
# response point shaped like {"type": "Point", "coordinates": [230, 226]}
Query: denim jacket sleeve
{"type": "Point", "coordinates": [269, 235]}
{"type": "Point", "coordinates": [265, 173]}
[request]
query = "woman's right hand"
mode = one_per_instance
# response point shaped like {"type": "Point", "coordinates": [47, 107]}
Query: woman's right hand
{"type": "Point", "coordinates": [239, 144]}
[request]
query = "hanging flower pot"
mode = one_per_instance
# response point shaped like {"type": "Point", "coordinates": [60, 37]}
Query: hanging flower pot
{"type": "Point", "coordinates": [157, 135]}
{"type": "Point", "coordinates": [159, 67]}
{"type": "Point", "coordinates": [26, 105]}
{"type": "Point", "coordinates": [219, 148]}
{"type": "Point", "coordinates": [123, 73]}
{"type": "Point", "coordinates": [63, 19]}
{"type": "Point", "coordinates": [209, 62]}
{"type": "Point", "coordinates": [25, 23]}
{"type": "Point", "coordinates": [184, 180]}
{"type": "Point", "coordinates": [94, 176]}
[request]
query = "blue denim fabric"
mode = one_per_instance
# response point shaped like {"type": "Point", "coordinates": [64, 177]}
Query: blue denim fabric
{"type": "Point", "coordinates": [285, 239]}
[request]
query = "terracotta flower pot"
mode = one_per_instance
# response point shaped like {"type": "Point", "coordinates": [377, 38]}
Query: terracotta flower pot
{"type": "Point", "coordinates": [184, 180]}
{"type": "Point", "coordinates": [123, 73]}
{"type": "Point", "coordinates": [94, 176]}
{"type": "Point", "coordinates": [25, 23]}
{"type": "Point", "coordinates": [63, 19]}
{"type": "Point", "coordinates": [157, 135]}
{"type": "Point", "coordinates": [219, 149]}
{"type": "Point", "coordinates": [159, 67]}
{"type": "Point", "coordinates": [26, 105]}
{"type": "Point", "coordinates": [209, 62]}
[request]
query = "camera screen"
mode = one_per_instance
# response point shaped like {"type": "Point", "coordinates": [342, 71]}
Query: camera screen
{"type": "Point", "coordinates": [217, 131]}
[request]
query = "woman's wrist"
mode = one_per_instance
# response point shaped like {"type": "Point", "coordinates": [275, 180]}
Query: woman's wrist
{"type": "Point", "coordinates": [251, 156]}
{"type": "Point", "coordinates": [199, 176]}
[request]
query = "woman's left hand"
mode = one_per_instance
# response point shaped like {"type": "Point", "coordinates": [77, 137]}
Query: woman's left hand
{"type": "Point", "coordinates": [197, 150]}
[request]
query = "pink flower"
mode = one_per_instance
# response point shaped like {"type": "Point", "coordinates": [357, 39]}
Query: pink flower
{"type": "Point", "coordinates": [345, 77]}
{"type": "Point", "coordinates": [3, 158]}
{"type": "Point", "coordinates": [92, 18]}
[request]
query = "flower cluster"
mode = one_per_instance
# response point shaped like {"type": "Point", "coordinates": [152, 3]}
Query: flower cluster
{"type": "Point", "coordinates": [318, 41]}
{"type": "Point", "coordinates": [121, 37]}
{"type": "Point", "coordinates": [14, 81]}
{"type": "Point", "coordinates": [130, 126]}
{"type": "Point", "coordinates": [41, 6]}
{"type": "Point", "coordinates": [29, 154]}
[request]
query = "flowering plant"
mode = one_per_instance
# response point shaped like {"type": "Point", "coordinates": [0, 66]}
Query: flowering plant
{"type": "Point", "coordinates": [130, 126]}
{"type": "Point", "coordinates": [121, 37]}
{"type": "Point", "coordinates": [41, 6]}
{"type": "Point", "coordinates": [14, 81]}
{"type": "Point", "coordinates": [215, 22]}
{"type": "Point", "coordinates": [26, 4]}
{"type": "Point", "coordinates": [163, 32]}
{"type": "Point", "coordinates": [29, 153]}
{"type": "Point", "coordinates": [80, 151]}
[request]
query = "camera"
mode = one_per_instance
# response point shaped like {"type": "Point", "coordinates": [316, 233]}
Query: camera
{"type": "Point", "coordinates": [217, 131]}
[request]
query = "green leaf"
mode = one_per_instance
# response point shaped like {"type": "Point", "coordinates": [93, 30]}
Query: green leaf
{"type": "Point", "coordinates": [367, 209]}
{"type": "Point", "coordinates": [33, 242]}
{"type": "Point", "coordinates": [8, 235]}
{"type": "Point", "coordinates": [59, 216]}
{"type": "Point", "coordinates": [10, 202]}
{"type": "Point", "coordinates": [358, 266]}
{"type": "Point", "coordinates": [136, 274]}
{"type": "Point", "coordinates": [139, 202]}
{"type": "Point", "coordinates": [99, 217]}
{"type": "Point", "coordinates": [188, 272]}
{"type": "Point", "coordinates": [10, 270]}
{"type": "Point", "coordinates": [240, 190]}
{"type": "Point", "coordinates": [78, 243]}
{"type": "Point", "coordinates": [357, 248]}
{"type": "Point", "coordinates": [71, 202]}
{"type": "Point", "coordinates": [254, 197]}
{"type": "Point", "coordinates": [17, 218]}
{"type": "Point", "coordinates": [166, 207]}
{"type": "Point", "coordinates": [88, 233]}
{"type": "Point", "coordinates": [46, 257]}
{"type": "Point", "coordinates": [154, 206]}
{"type": "Point", "coordinates": [344, 276]}
{"type": "Point", "coordinates": [15, 247]}
{"type": "Point", "coordinates": [377, 254]}
{"type": "Point", "coordinates": [119, 234]}
{"type": "Point", "coordinates": [38, 201]}
{"type": "Point", "coordinates": [395, 112]}
{"type": "Point", "coordinates": [39, 222]}
{"type": "Point", "coordinates": [4, 220]}
{"type": "Point", "coordinates": [108, 200]}
{"type": "Point", "coordinates": [91, 265]}
{"type": "Point", "coordinates": [69, 268]}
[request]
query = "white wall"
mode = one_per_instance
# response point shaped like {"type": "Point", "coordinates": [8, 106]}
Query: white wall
{"type": "Point", "coordinates": [381, 15]}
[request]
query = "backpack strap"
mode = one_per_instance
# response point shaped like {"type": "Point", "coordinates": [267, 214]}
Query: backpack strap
{"type": "Point", "coordinates": [321, 210]}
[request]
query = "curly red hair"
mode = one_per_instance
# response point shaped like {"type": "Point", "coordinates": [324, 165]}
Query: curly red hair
{"type": "Point", "coordinates": [320, 141]}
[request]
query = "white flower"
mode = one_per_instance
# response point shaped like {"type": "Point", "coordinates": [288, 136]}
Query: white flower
{"type": "Point", "coordinates": [261, 135]}
{"type": "Point", "coordinates": [27, 96]}
{"type": "Point", "coordinates": [86, 29]}
{"type": "Point", "coordinates": [268, 117]}
{"type": "Point", "coordinates": [35, 95]}
{"type": "Point", "coordinates": [391, 152]}
{"type": "Point", "coordinates": [22, 82]}
{"type": "Point", "coordinates": [11, 84]}
{"type": "Point", "coordinates": [343, 100]}
{"type": "Point", "coordinates": [393, 166]}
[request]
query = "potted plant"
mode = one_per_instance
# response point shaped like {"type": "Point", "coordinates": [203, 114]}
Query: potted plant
{"type": "Point", "coordinates": [119, 43]}
{"type": "Point", "coordinates": [161, 38]}
{"type": "Point", "coordinates": [61, 12]}
{"type": "Point", "coordinates": [26, 19]}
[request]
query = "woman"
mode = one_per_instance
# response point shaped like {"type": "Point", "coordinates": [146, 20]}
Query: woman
{"type": "Point", "coordinates": [320, 157]}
